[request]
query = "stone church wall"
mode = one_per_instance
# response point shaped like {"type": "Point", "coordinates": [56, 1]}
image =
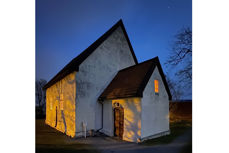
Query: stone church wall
{"type": "Point", "coordinates": [60, 105]}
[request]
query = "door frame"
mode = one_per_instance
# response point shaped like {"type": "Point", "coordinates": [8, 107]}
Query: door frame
{"type": "Point", "coordinates": [118, 107]}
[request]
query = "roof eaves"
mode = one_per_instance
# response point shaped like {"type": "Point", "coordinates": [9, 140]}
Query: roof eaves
{"type": "Point", "coordinates": [120, 97]}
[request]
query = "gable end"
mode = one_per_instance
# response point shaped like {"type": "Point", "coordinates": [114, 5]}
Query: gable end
{"type": "Point", "coordinates": [156, 62]}
{"type": "Point", "coordinates": [75, 63]}
{"type": "Point", "coordinates": [133, 86]}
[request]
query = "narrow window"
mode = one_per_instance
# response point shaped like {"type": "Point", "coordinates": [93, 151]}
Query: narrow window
{"type": "Point", "coordinates": [50, 105]}
{"type": "Point", "coordinates": [61, 105]}
{"type": "Point", "coordinates": [50, 102]}
{"type": "Point", "coordinates": [61, 101]}
{"type": "Point", "coordinates": [156, 86]}
{"type": "Point", "coordinates": [61, 96]}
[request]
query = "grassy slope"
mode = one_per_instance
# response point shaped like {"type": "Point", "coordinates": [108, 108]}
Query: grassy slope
{"type": "Point", "coordinates": [177, 129]}
{"type": "Point", "coordinates": [48, 140]}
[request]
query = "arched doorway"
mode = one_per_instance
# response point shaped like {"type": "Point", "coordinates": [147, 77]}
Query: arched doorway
{"type": "Point", "coordinates": [118, 121]}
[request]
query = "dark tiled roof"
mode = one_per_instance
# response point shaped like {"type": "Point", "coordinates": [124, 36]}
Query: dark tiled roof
{"type": "Point", "coordinates": [131, 81]}
{"type": "Point", "coordinates": [74, 64]}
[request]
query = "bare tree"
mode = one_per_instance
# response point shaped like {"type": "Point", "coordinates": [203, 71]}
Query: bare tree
{"type": "Point", "coordinates": [175, 88]}
{"type": "Point", "coordinates": [40, 94]}
{"type": "Point", "coordinates": [180, 57]}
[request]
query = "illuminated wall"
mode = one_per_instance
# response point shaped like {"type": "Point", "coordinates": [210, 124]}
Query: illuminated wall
{"type": "Point", "coordinates": [155, 106]}
{"type": "Point", "coordinates": [64, 91]}
{"type": "Point", "coordinates": [132, 118]}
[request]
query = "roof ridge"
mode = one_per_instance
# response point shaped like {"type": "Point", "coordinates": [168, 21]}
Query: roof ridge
{"type": "Point", "coordinates": [152, 59]}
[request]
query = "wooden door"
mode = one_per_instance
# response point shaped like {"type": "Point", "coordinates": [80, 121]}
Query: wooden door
{"type": "Point", "coordinates": [118, 122]}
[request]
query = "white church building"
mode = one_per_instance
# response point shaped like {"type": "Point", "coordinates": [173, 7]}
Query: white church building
{"type": "Point", "coordinates": [105, 89]}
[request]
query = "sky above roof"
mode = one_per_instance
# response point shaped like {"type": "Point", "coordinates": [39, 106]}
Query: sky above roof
{"type": "Point", "coordinates": [64, 28]}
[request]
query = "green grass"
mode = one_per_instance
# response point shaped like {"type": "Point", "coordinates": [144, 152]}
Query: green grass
{"type": "Point", "coordinates": [176, 129]}
{"type": "Point", "coordinates": [49, 140]}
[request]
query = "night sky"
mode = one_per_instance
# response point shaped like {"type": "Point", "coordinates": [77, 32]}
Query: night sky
{"type": "Point", "coordinates": [64, 28]}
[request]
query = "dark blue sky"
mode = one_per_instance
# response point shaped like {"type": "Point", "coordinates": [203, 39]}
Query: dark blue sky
{"type": "Point", "coordinates": [64, 28]}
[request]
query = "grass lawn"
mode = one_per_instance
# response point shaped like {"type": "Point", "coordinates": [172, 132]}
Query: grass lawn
{"type": "Point", "coordinates": [49, 140]}
{"type": "Point", "coordinates": [176, 129]}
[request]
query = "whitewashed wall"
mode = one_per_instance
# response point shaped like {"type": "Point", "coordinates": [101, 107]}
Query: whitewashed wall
{"type": "Point", "coordinates": [108, 118]}
{"type": "Point", "coordinates": [155, 108]}
{"type": "Point", "coordinates": [95, 73]}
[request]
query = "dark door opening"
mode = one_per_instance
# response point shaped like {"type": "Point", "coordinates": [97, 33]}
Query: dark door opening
{"type": "Point", "coordinates": [118, 122]}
